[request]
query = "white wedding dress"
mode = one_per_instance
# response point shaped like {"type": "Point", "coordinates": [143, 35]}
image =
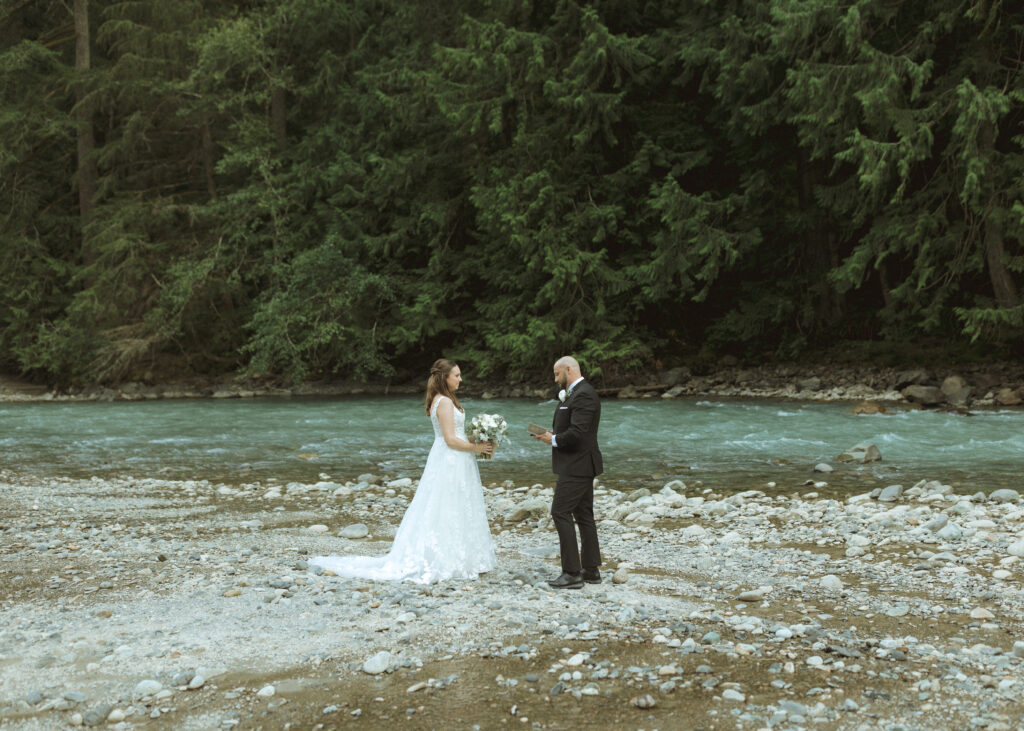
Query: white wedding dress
{"type": "Point", "coordinates": [444, 533]}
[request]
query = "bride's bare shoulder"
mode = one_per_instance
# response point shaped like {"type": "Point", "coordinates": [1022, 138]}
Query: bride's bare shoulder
{"type": "Point", "coordinates": [438, 402]}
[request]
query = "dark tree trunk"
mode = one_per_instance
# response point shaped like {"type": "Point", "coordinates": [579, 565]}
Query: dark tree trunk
{"type": "Point", "coordinates": [995, 254]}
{"type": "Point", "coordinates": [883, 281]}
{"type": "Point", "coordinates": [83, 113]}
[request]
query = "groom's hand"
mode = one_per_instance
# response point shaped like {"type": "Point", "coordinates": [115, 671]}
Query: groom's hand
{"type": "Point", "coordinates": [545, 437]}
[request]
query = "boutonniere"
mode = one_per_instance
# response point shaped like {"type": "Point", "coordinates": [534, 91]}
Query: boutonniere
{"type": "Point", "coordinates": [562, 395]}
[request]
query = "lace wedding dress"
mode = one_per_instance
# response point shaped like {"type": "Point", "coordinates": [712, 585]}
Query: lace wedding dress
{"type": "Point", "coordinates": [444, 533]}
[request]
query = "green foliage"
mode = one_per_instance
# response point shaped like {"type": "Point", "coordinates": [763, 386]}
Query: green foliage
{"type": "Point", "coordinates": [324, 320]}
{"type": "Point", "coordinates": [306, 187]}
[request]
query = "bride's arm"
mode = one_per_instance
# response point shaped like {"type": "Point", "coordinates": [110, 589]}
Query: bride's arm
{"type": "Point", "coordinates": [446, 415]}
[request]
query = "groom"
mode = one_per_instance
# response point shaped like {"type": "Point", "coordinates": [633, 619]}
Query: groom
{"type": "Point", "coordinates": [576, 459]}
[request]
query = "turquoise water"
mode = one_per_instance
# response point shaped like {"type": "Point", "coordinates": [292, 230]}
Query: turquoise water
{"type": "Point", "coordinates": [724, 444]}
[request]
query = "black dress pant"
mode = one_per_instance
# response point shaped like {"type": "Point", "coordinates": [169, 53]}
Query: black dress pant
{"type": "Point", "coordinates": [574, 503]}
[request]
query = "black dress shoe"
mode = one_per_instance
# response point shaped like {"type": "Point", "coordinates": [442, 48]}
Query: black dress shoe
{"type": "Point", "coordinates": [567, 581]}
{"type": "Point", "coordinates": [592, 576]}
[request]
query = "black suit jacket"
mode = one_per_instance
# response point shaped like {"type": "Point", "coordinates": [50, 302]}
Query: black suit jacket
{"type": "Point", "coordinates": [575, 429]}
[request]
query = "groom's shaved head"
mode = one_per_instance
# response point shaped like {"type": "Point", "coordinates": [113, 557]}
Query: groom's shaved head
{"type": "Point", "coordinates": [567, 361]}
{"type": "Point", "coordinates": [567, 370]}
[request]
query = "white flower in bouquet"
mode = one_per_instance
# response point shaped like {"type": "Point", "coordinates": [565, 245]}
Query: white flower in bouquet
{"type": "Point", "coordinates": [562, 395]}
{"type": "Point", "coordinates": [488, 428]}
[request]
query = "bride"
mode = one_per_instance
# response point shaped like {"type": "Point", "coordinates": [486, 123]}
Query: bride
{"type": "Point", "coordinates": [444, 533]}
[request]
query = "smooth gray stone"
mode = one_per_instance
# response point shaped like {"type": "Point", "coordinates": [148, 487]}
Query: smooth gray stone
{"type": "Point", "coordinates": [1005, 495]}
{"type": "Point", "coordinates": [377, 664]}
{"type": "Point", "coordinates": [354, 531]}
{"type": "Point", "coordinates": [97, 715]}
{"type": "Point", "coordinates": [890, 494]}
{"type": "Point", "coordinates": [147, 687]}
{"type": "Point", "coordinates": [844, 651]}
{"type": "Point", "coordinates": [831, 582]}
{"type": "Point", "coordinates": [183, 678]}
{"type": "Point", "coordinates": [792, 707]}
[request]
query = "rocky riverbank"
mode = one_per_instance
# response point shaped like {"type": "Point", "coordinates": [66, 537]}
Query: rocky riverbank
{"type": "Point", "coordinates": [175, 604]}
{"type": "Point", "coordinates": [954, 388]}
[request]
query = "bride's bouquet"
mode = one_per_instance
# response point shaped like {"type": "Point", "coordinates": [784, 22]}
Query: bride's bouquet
{"type": "Point", "coordinates": [488, 428]}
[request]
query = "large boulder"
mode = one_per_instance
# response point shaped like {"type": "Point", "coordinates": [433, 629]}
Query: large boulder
{"type": "Point", "coordinates": [985, 381]}
{"type": "Point", "coordinates": [890, 494]}
{"type": "Point", "coordinates": [809, 384]}
{"type": "Point", "coordinates": [952, 384]}
{"type": "Point", "coordinates": [674, 391]}
{"type": "Point", "coordinates": [530, 509]}
{"type": "Point", "coordinates": [859, 390]}
{"type": "Point", "coordinates": [908, 378]}
{"type": "Point", "coordinates": [674, 376]}
{"type": "Point", "coordinates": [1005, 495]}
{"type": "Point", "coordinates": [956, 390]}
{"type": "Point", "coordinates": [861, 453]}
{"type": "Point", "coordinates": [1008, 397]}
{"type": "Point", "coordinates": [924, 395]}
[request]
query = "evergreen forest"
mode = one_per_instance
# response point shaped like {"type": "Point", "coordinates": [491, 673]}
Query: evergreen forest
{"type": "Point", "coordinates": [293, 189]}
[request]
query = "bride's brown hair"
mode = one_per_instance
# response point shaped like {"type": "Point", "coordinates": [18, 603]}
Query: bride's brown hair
{"type": "Point", "coordinates": [438, 383]}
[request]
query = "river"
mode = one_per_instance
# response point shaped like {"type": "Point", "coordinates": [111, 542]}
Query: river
{"type": "Point", "coordinates": [726, 445]}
